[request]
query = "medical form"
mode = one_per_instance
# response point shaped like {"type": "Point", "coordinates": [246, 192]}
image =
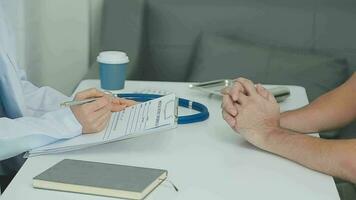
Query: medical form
{"type": "Point", "coordinates": [146, 116]}
{"type": "Point", "coordinates": [141, 119]}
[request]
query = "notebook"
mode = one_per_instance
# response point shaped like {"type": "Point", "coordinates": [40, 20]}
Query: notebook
{"type": "Point", "coordinates": [102, 179]}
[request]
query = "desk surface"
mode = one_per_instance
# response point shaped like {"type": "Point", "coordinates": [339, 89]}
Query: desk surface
{"type": "Point", "coordinates": [205, 160]}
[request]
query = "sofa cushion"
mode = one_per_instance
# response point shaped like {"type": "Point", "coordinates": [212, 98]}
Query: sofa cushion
{"type": "Point", "coordinates": [219, 57]}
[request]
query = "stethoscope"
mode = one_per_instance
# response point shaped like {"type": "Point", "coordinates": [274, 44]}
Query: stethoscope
{"type": "Point", "coordinates": [202, 115]}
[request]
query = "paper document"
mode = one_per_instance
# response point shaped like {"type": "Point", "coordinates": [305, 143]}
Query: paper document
{"type": "Point", "coordinates": [144, 118]}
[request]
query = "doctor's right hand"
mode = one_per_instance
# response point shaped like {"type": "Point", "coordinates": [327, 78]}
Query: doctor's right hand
{"type": "Point", "coordinates": [93, 116]}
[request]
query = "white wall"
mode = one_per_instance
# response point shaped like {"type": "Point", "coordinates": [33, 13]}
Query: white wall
{"type": "Point", "coordinates": [56, 39]}
{"type": "Point", "coordinates": [56, 42]}
{"type": "Point", "coordinates": [96, 7]}
{"type": "Point", "coordinates": [14, 9]}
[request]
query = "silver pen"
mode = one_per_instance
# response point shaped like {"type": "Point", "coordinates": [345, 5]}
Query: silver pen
{"type": "Point", "coordinates": [75, 103]}
{"type": "Point", "coordinates": [81, 102]}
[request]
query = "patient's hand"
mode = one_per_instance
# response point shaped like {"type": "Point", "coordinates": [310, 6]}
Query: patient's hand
{"type": "Point", "coordinates": [252, 112]}
{"type": "Point", "coordinates": [230, 97]}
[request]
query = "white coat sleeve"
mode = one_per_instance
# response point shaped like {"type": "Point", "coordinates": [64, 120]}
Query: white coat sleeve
{"type": "Point", "coordinates": [26, 133]}
{"type": "Point", "coordinates": [39, 101]}
{"type": "Point", "coordinates": [45, 122]}
{"type": "Point", "coordinates": [41, 121]}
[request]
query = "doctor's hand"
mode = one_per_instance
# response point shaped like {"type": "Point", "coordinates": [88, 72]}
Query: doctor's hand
{"type": "Point", "coordinates": [251, 111]}
{"type": "Point", "coordinates": [118, 104]}
{"type": "Point", "coordinates": [93, 116]}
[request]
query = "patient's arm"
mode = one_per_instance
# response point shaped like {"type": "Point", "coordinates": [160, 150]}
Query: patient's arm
{"type": "Point", "coordinates": [333, 157]}
{"type": "Point", "coordinates": [330, 111]}
{"type": "Point", "coordinates": [258, 121]}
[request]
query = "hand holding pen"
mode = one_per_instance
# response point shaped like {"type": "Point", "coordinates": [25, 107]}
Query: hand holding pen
{"type": "Point", "coordinates": [92, 108]}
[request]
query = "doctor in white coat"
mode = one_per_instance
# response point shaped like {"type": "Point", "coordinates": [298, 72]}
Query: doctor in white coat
{"type": "Point", "coordinates": [31, 117]}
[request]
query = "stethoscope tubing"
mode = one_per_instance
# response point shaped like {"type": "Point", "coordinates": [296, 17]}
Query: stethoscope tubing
{"type": "Point", "coordinates": [187, 119]}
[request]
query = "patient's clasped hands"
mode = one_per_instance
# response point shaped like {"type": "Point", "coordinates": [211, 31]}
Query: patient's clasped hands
{"type": "Point", "coordinates": [251, 111]}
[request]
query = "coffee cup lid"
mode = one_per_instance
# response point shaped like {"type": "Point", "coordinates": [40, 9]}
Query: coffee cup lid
{"type": "Point", "coordinates": [113, 57]}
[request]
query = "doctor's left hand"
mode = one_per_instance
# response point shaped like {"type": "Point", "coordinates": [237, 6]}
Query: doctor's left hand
{"type": "Point", "coordinates": [95, 116]}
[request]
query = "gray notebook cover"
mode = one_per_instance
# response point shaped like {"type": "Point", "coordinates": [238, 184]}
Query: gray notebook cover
{"type": "Point", "coordinates": [101, 175]}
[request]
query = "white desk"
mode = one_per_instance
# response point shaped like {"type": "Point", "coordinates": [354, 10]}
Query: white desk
{"type": "Point", "coordinates": [205, 160]}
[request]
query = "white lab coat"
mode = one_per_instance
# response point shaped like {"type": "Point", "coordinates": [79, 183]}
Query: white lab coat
{"type": "Point", "coordinates": [33, 116]}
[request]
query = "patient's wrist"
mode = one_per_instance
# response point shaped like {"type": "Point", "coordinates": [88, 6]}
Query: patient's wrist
{"type": "Point", "coordinates": [274, 137]}
{"type": "Point", "coordinates": [298, 120]}
{"type": "Point", "coordinates": [286, 121]}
